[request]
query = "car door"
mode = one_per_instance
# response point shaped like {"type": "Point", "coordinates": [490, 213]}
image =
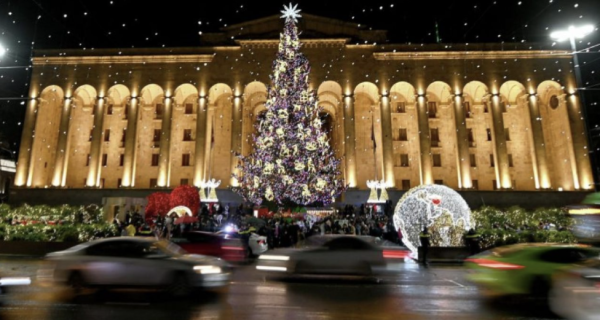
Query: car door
{"type": "Point", "coordinates": [106, 263]}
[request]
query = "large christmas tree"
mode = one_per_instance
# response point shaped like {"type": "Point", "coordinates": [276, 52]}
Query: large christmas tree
{"type": "Point", "coordinates": [292, 161]}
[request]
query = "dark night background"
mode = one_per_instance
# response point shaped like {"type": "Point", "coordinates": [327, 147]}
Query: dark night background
{"type": "Point", "coordinates": [62, 24]}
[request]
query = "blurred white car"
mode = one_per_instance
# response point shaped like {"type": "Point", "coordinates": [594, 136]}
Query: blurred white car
{"type": "Point", "coordinates": [135, 262]}
{"type": "Point", "coordinates": [575, 293]}
{"type": "Point", "coordinates": [339, 255]}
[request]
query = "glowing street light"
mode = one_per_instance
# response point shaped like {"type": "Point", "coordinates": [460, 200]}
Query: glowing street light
{"type": "Point", "coordinates": [2, 50]}
{"type": "Point", "coordinates": [572, 33]}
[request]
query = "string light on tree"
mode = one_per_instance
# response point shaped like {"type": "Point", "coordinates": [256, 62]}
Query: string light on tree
{"type": "Point", "coordinates": [292, 160]}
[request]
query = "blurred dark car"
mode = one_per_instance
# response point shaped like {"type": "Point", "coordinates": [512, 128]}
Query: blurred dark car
{"type": "Point", "coordinates": [575, 292]}
{"type": "Point", "coordinates": [220, 245]}
{"type": "Point", "coordinates": [134, 262]}
{"type": "Point", "coordinates": [525, 268]}
{"type": "Point", "coordinates": [329, 255]}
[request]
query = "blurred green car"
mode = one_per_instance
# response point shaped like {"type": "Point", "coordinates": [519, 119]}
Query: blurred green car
{"type": "Point", "coordinates": [524, 268]}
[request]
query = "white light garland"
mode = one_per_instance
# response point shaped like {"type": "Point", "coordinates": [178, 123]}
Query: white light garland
{"type": "Point", "coordinates": [439, 208]}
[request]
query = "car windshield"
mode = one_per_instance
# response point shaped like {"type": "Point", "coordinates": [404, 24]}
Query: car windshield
{"type": "Point", "coordinates": [166, 247]}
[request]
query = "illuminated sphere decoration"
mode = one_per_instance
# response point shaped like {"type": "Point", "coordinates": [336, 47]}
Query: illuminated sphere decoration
{"type": "Point", "coordinates": [441, 209]}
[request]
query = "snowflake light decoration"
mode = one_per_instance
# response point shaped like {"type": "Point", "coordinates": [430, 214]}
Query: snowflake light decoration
{"type": "Point", "coordinates": [437, 207]}
{"type": "Point", "coordinates": [291, 12]}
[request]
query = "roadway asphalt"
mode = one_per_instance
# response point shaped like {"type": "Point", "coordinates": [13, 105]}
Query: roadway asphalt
{"type": "Point", "coordinates": [408, 292]}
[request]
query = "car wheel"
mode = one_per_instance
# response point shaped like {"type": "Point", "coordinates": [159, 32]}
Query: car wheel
{"type": "Point", "coordinates": [179, 286]}
{"type": "Point", "coordinates": [540, 287]}
{"type": "Point", "coordinates": [76, 282]}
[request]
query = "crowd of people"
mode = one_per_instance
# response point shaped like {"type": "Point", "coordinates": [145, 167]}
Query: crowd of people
{"type": "Point", "coordinates": [281, 229]}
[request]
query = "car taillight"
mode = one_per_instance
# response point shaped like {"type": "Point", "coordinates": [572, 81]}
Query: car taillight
{"type": "Point", "coordinates": [232, 248]}
{"type": "Point", "coordinates": [495, 264]}
{"type": "Point", "coordinates": [395, 254]}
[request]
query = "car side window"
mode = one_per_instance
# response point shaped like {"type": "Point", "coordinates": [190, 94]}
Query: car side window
{"type": "Point", "coordinates": [106, 249]}
{"type": "Point", "coordinates": [346, 244]}
{"type": "Point", "coordinates": [564, 255]}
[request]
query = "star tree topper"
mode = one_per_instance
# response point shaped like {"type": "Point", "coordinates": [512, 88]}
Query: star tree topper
{"type": "Point", "coordinates": [291, 12]}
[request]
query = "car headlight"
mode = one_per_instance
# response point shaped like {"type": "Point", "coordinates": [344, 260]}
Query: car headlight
{"type": "Point", "coordinates": [207, 269]}
{"type": "Point", "coordinates": [273, 257]}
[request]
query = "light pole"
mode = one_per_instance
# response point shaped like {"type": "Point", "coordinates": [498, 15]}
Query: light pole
{"type": "Point", "coordinates": [571, 34]}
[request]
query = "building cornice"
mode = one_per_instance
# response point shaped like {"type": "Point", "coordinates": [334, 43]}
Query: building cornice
{"type": "Point", "coordinates": [468, 55]}
{"type": "Point", "coordinates": [154, 59]}
{"type": "Point", "coordinates": [306, 43]}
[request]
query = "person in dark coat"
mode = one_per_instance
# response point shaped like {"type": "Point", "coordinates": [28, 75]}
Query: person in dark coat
{"type": "Point", "coordinates": [472, 240]}
{"type": "Point", "coordinates": [425, 238]}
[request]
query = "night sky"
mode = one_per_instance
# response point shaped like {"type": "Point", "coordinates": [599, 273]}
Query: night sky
{"type": "Point", "coordinates": [63, 24]}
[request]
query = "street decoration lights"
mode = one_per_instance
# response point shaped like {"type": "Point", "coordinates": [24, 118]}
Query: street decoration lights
{"type": "Point", "coordinates": [571, 34]}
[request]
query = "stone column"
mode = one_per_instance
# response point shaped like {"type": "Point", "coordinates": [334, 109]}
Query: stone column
{"type": "Point", "coordinates": [463, 161]}
{"type": "Point", "coordinates": [236, 137]}
{"type": "Point", "coordinates": [500, 150]}
{"type": "Point", "coordinates": [580, 143]}
{"type": "Point", "coordinates": [23, 177]}
{"type": "Point", "coordinates": [164, 160]}
{"type": "Point", "coordinates": [425, 165]}
{"type": "Point", "coordinates": [388, 145]}
{"type": "Point", "coordinates": [96, 146]}
{"type": "Point", "coordinates": [60, 163]}
{"type": "Point", "coordinates": [350, 141]}
{"type": "Point", "coordinates": [129, 156]}
{"type": "Point", "coordinates": [200, 151]}
{"type": "Point", "coordinates": [538, 147]}
{"type": "Point", "coordinates": [208, 144]}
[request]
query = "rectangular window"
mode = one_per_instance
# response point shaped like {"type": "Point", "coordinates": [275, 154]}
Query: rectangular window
{"type": "Point", "coordinates": [494, 185]}
{"type": "Point", "coordinates": [432, 109]}
{"type": "Point", "coordinates": [401, 107]}
{"type": "Point", "coordinates": [510, 161]}
{"type": "Point", "coordinates": [485, 107]}
{"type": "Point", "coordinates": [106, 135]}
{"type": "Point", "coordinates": [405, 184]}
{"type": "Point", "coordinates": [121, 160]}
{"type": "Point", "coordinates": [473, 160]}
{"type": "Point", "coordinates": [189, 108]}
{"type": "Point", "coordinates": [153, 183]}
{"type": "Point", "coordinates": [475, 184]}
{"type": "Point", "coordinates": [471, 138]}
{"type": "Point", "coordinates": [488, 132]}
{"type": "Point", "coordinates": [102, 181]}
{"type": "Point", "coordinates": [123, 138]}
{"type": "Point", "coordinates": [507, 134]}
{"type": "Point", "coordinates": [109, 109]}
{"type": "Point", "coordinates": [156, 138]}
{"type": "Point", "coordinates": [119, 182]}
{"type": "Point", "coordinates": [404, 160]}
{"type": "Point", "coordinates": [437, 160]}
{"type": "Point", "coordinates": [160, 110]}
{"type": "Point", "coordinates": [435, 137]}
{"type": "Point", "coordinates": [125, 113]}
{"type": "Point", "coordinates": [187, 135]}
{"type": "Point", "coordinates": [403, 135]}
{"type": "Point", "coordinates": [492, 162]}
{"type": "Point", "coordinates": [155, 160]}
{"type": "Point", "coordinates": [87, 160]}
{"type": "Point", "coordinates": [184, 182]}
{"type": "Point", "coordinates": [441, 182]}
{"type": "Point", "coordinates": [467, 108]}
{"type": "Point", "coordinates": [104, 160]}
{"type": "Point", "coordinates": [185, 160]}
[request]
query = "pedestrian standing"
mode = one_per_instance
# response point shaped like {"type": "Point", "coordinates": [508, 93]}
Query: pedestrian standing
{"type": "Point", "coordinates": [425, 237]}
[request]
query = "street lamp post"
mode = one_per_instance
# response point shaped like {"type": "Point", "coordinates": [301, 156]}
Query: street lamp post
{"type": "Point", "coordinates": [571, 34]}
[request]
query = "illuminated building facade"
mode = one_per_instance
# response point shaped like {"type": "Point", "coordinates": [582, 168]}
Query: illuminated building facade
{"type": "Point", "coordinates": [472, 116]}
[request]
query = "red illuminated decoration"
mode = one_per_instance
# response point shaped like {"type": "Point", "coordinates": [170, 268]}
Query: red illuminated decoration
{"type": "Point", "coordinates": [185, 196]}
{"type": "Point", "coordinates": [158, 204]}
